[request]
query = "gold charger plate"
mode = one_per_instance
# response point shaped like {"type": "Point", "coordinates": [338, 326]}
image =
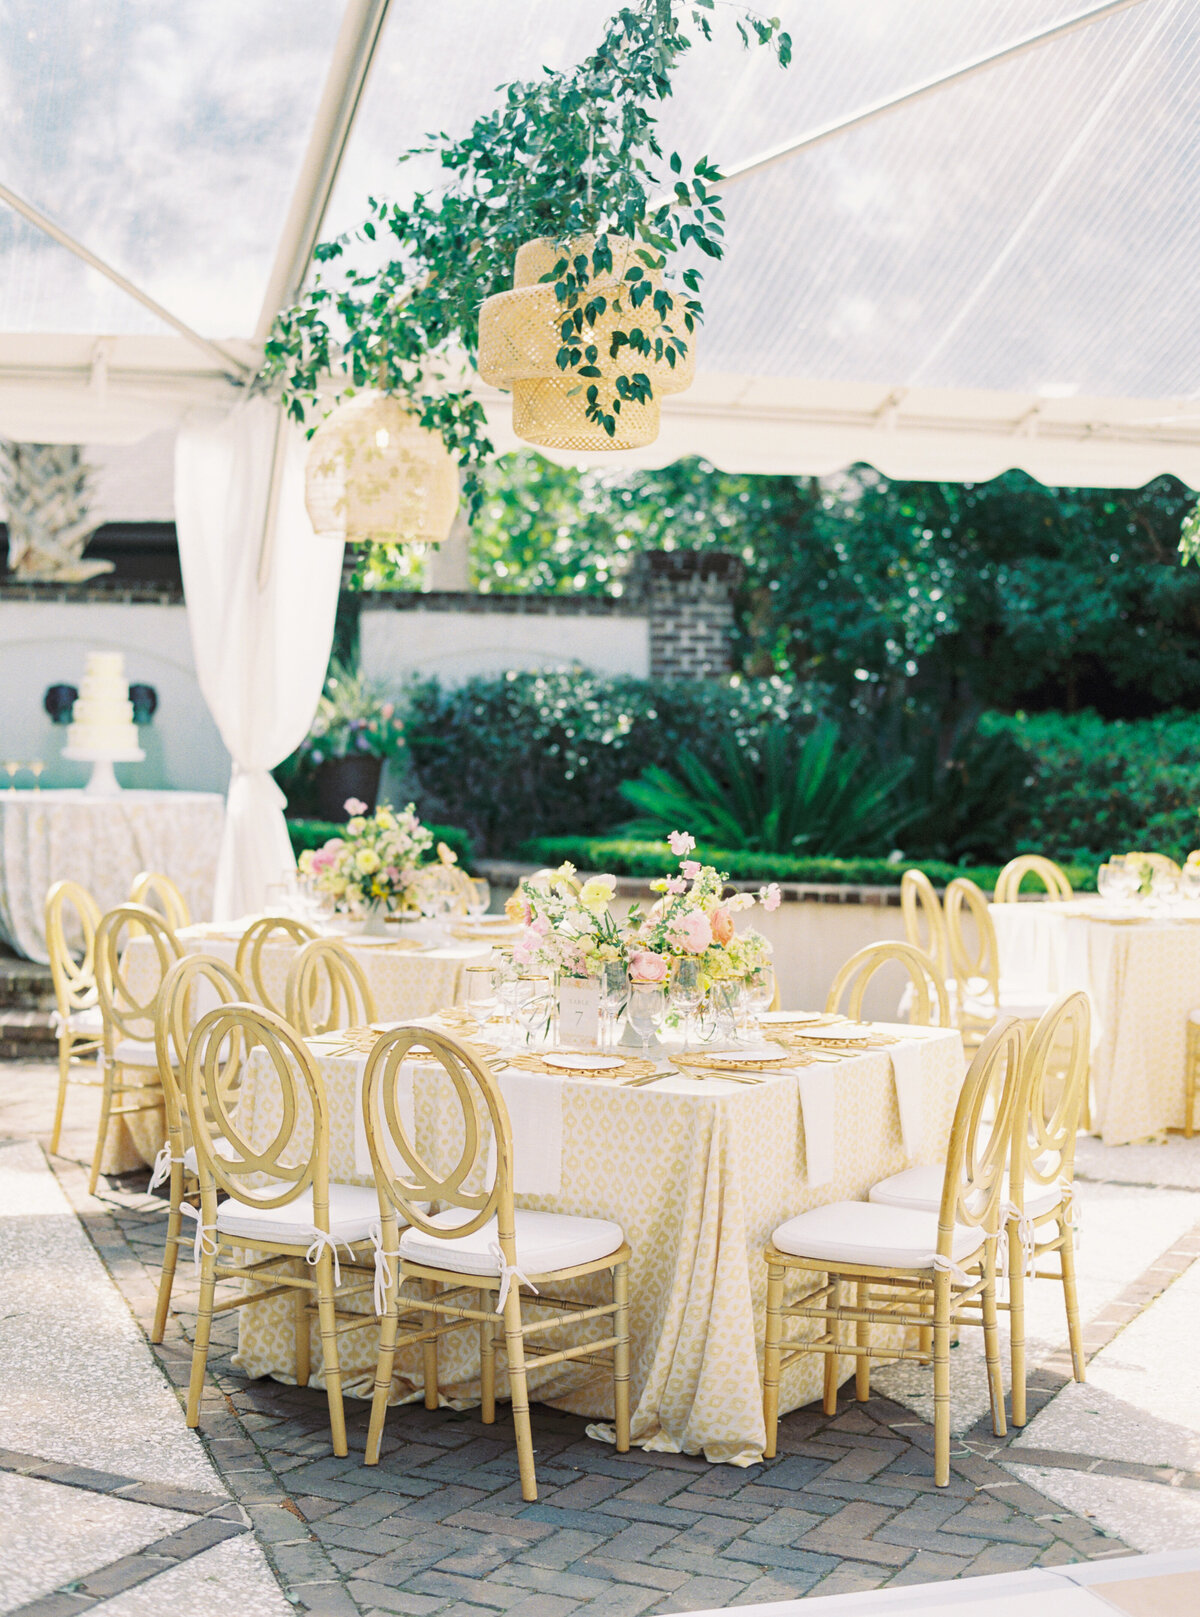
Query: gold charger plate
{"type": "Point", "coordinates": [631, 1068]}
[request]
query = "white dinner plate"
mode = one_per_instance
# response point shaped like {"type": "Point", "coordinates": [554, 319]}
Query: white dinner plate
{"type": "Point", "coordinates": [789, 1018]}
{"type": "Point", "coordinates": [582, 1063]}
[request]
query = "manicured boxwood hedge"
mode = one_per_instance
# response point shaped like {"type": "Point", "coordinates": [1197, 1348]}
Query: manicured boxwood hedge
{"type": "Point", "coordinates": [648, 859]}
{"type": "Point", "coordinates": [314, 833]}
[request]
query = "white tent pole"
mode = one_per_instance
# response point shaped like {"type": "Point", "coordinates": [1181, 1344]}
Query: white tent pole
{"type": "Point", "coordinates": [349, 66]}
{"type": "Point", "coordinates": [1044, 36]}
{"type": "Point", "coordinates": [235, 369]}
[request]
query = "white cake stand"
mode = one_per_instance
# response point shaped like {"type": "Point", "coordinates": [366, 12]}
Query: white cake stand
{"type": "Point", "coordinates": [103, 781]}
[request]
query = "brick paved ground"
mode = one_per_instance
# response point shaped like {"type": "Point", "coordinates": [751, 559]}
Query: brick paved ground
{"type": "Point", "coordinates": [440, 1527]}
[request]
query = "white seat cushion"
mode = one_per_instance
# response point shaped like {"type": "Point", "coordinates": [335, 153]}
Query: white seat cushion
{"type": "Point", "coordinates": [867, 1233]}
{"type": "Point", "coordinates": [352, 1211]}
{"type": "Point", "coordinates": [140, 1053]}
{"type": "Point", "coordinates": [220, 1145]}
{"type": "Point", "coordinates": [921, 1188]}
{"type": "Point", "coordinates": [89, 1022]}
{"type": "Point", "coordinates": [545, 1242]}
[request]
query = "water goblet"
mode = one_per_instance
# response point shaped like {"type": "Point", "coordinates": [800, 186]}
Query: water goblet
{"type": "Point", "coordinates": [535, 1005]}
{"type": "Point", "coordinates": [1189, 883]}
{"type": "Point", "coordinates": [647, 1007]}
{"type": "Point", "coordinates": [480, 1001]}
{"type": "Point", "coordinates": [614, 992]}
{"type": "Point", "coordinates": [481, 896]}
{"type": "Point", "coordinates": [757, 992]}
{"type": "Point", "coordinates": [686, 992]}
{"type": "Point", "coordinates": [1164, 887]}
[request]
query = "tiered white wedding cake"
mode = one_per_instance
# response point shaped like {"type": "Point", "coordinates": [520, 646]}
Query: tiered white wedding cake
{"type": "Point", "coordinates": [102, 729]}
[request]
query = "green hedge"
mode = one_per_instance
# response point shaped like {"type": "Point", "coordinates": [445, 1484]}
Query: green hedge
{"type": "Point", "coordinates": [1101, 786]}
{"type": "Point", "coordinates": [648, 859]}
{"type": "Point", "coordinates": [315, 833]}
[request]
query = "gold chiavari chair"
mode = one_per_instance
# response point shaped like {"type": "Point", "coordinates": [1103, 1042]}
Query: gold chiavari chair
{"type": "Point", "coordinates": [269, 931]}
{"type": "Point", "coordinates": [936, 1271]}
{"type": "Point", "coordinates": [927, 992]}
{"type": "Point", "coordinates": [445, 885]}
{"type": "Point", "coordinates": [297, 1217]}
{"type": "Point", "coordinates": [981, 995]}
{"type": "Point", "coordinates": [158, 892]}
{"type": "Point", "coordinates": [131, 1082]}
{"type": "Point", "coordinates": [194, 978]}
{"type": "Point", "coordinates": [327, 989]}
{"type": "Point", "coordinates": [477, 1245]}
{"type": "Point", "coordinates": [924, 923]}
{"type": "Point", "coordinates": [77, 1019]}
{"type": "Point", "coordinates": [1052, 877]}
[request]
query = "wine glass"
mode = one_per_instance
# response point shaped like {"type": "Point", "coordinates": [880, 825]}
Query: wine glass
{"type": "Point", "coordinates": [757, 992]}
{"type": "Point", "coordinates": [686, 992]}
{"type": "Point", "coordinates": [535, 1004]}
{"type": "Point", "coordinates": [647, 1007]}
{"type": "Point", "coordinates": [35, 769]}
{"type": "Point", "coordinates": [1164, 887]}
{"type": "Point", "coordinates": [614, 992]}
{"type": "Point", "coordinates": [481, 896]}
{"type": "Point", "coordinates": [480, 1001]}
{"type": "Point", "coordinates": [11, 771]}
{"type": "Point", "coordinates": [1189, 883]}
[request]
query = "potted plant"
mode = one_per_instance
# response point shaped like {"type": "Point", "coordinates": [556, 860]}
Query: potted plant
{"type": "Point", "coordinates": [354, 732]}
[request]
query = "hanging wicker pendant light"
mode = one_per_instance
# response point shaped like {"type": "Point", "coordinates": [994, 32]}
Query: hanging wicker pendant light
{"type": "Point", "coordinates": [375, 475]}
{"type": "Point", "coordinates": [520, 336]}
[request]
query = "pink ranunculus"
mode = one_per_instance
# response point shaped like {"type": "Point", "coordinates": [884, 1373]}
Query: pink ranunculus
{"type": "Point", "coordinates": [691, 868]}
{"type": "Point", "coordinates": [539, 925]}
{"type": "Point", "coordinates": [691, 932]}
{"type": "Point", "coordinates": [648, 967]}
{"type": "Point", "coordinates": [722, 925]}
{"type": "Point", "coordinates": [323, 859]}
{"type": "Point", "coordinates": [676, 884]}
{"type": "Point", "coordinates": [771, 897]}
{"type": "Point", "coordinates": [354, 805]}
{"type": "Point", "coordinates": [392, 873]}
{"type": "Point", "coordinates": [681, 842]}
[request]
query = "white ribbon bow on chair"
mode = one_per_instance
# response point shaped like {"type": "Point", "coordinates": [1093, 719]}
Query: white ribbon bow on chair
{"type": "Point", "coordinates": [1072, 1212]}
{"type": "Point", "coordinates": [947, 1266]}
{"type": "Point", "coordinates": [161, 1171]}
{"type": "Point", "coordinates": [320, 1242]}
{"type": "Point", "coordinates": [204, 1234]}
{"type": "Point", "coordinates": [381, 1269]}
{"type": "Point", "coordinates": [1026, 1234]}
{"type": "Point", "coordinates": [508, 1273]}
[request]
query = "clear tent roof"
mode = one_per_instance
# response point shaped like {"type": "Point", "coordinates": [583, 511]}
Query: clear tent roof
{"type": "Point", "coordinates": [1012, 252]}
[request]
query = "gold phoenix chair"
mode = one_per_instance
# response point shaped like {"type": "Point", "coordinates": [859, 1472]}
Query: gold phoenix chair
{"type": "Point", "coordinates": [327, 989]}
{"type": "Point", "coordinates": [77, 1019]}
{"type": "Point", "coordinates": [1052, 877]}
{"type": "Point", "coordinates": [1046, 1109]}
{"type": "Point", "coordinates": [128, 1037]}
{"type": "Point", "coordinates": [158, 892]}
{"type": "Point", "coordinates": [936, 1268]}
{"type": "Point", "coordinates": [479, 1244]}
{"type": "Point", "coordinates": [924, 923]}
{"type": "Point", "coordinates": [980, 993]}
{"type": "Point", "coordinates": [298, 1217]}
{"type": "Point", "coordinates": [267, 930]}
{"type": "Point", "coordinates": [928, 989]}
{"type": "Point", "coordinates": [189, 979]}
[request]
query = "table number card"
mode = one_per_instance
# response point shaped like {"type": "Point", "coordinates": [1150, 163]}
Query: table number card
{"type": "Point", "coordinates": [579, 1010]}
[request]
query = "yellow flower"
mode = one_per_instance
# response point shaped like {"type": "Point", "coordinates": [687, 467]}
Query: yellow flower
{"type": "Point", "coordinates": [385, 820]}
{"type": "Point", "coordinates": [596, 894]}
{"type": "Point", "coordinates": [305, 861]}
{"type": "Point", "coordinates": [446, 854]}
{"type": "Point", "coordinates": [355, 826]}
{"type": "Point", "coordinates": [367, 860]}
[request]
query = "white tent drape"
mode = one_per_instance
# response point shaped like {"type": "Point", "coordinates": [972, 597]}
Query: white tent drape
{"type": "Point", "coordinates": [261, 651]}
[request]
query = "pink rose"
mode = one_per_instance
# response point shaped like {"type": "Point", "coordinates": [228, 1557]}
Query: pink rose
{"type": "Point", "coordinates": [691, 868]}
{"type": "Point", "coordinates": [648, 967]}
{"type": "Point", "coordinates": [354, 805]}
{"type": "Point", "coordinates": [675, 884]}
{"type": "Point", "coordinates": [681, 842]}
{"type": "Point", "coordinates": [721, 923]}
{"type": "Point", "coordinates": [323, 859]}
{"type": "Point", "coordinates": [691, 932]}
{"type": "Point", "coordinates": [771, 897]}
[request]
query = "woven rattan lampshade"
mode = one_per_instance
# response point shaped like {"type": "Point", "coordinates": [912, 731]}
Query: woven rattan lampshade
{"type": "Point", "coordinates": [519, 340]}
{"type": "Point", "coordinates": [374, 474]}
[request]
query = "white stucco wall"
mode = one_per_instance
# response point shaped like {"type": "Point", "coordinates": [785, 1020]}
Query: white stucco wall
{"type": "Point", "coordinates": [455, 646]}
{"type": "Point", "coordinates": [45, 643]}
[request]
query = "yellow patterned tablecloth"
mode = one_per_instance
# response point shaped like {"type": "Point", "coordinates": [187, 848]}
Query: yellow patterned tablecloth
{"type": "Point", "coordinates": [1142, 977]}
{"type": "Point", "coordinates": [698, 1173]}
{"type": "Point", "coordinates": [405, 984]}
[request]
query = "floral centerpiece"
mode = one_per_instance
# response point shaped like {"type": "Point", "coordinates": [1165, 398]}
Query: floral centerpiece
{"type": "Point", "coordinates": [369, 869]}
{"type": "Point", "coordinates": [693, 918]}
{"type": "Point", "coordinates": [568, 928]}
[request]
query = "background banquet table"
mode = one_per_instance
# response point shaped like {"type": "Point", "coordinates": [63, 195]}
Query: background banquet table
{"type": "Point", "coordinates": [1142, 976]}
{"type": "Point", "coordinates": [698, 1173]}
{"type": "Point", "coordinates": [101, 843]}
{"type": "Point", "coordinates": [405, 983]}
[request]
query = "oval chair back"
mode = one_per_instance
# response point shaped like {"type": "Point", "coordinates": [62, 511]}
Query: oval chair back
{"type": "Point", "coordinates": [72, 911]}
{"type": "Point", "coordinates": [405, 1181]}
{"type": "Point", "coordinates": [981, 1135]}
{"type": "Point", "coordinates": [1053, 1092]}
{"type": "Point", "coordinates": [924, 923]}
{"type": "Point", "coordinates": [929, 988]}
{"type": "Point", "coordinates": [129, 1013]}
{"type": "Point", "coordinates": [327, 989]}
{"type": "Point", "coordinates": [1052, 877]}
{"type": "Point", "coordinates": [443, 885]}
{"type": "Point", "coordinates": [159, 892]}
{"type": "Point", "coordinates": [297, 1156]}
{"type": "Point", "coordinates": [274, 931]}
{"type": "Point", "coordinates": [975, 964]}
{"type": "Point", "coordinates": [193, 978]}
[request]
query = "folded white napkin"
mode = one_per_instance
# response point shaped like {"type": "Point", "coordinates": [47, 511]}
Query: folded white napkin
{"type": "Point", "coordinates": [907, 1063]}
{"type": "Point", "coordinates": [535, 1102]}
{"type": "Point", "coordinates": [816, 1108]}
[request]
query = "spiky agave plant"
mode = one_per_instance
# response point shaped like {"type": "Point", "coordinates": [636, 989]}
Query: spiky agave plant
{"type": "Point", "coordinates": [47, 493]}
